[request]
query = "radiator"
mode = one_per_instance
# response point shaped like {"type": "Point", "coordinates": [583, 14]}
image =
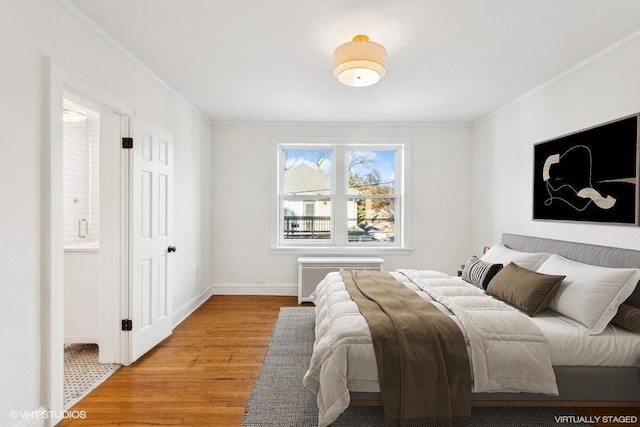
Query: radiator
{"type": "Point", "coordinates": [311, 270]}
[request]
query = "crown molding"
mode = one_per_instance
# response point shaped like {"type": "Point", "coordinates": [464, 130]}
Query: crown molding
{"type": "Point", "coordinates": [76, 12]}
{"type": "Point", "coordinates": [579, 66]}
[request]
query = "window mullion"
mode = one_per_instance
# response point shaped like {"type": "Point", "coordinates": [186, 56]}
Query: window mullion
{"type": "Point", "coordinates": [340, 220]}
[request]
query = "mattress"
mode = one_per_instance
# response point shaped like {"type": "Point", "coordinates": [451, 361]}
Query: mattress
{"type": "Point", "coordinates": [615, 347]}
{"type": "Point", "coordinates": [572, 347]}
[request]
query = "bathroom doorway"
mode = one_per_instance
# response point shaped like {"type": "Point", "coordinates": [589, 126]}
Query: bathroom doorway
{"type": "Point", "coordinates": [81, 205]}
{"type": "Point", "coordinates": [134, 308]}
{"type": "Point", "coordinates": [89, 129]}
{"type": "Point", "coordinates": [114, 118]}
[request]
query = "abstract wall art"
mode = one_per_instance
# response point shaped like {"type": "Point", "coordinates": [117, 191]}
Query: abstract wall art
{"type": "Point", "coordinates": [590, 176]}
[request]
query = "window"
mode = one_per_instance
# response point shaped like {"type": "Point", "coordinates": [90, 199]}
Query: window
{"type": "Point", "coordinates": [340, 195]}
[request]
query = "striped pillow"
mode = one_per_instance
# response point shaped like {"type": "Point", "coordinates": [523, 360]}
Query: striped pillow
{"type": "Point", "coordinates": [479, 272]}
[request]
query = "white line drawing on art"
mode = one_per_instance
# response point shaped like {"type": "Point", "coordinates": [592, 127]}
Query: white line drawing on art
{"type": "Point", "coordinates": [577, 186]}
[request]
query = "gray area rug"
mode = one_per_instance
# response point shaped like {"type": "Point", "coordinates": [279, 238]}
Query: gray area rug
{"type": "Point", "coordinates": [280, 399]}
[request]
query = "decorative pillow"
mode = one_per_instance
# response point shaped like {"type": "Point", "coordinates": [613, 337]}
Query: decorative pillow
{"type": "Point", "coordinates": [628, 317]}
{"type": "Point", "coordinates": [479, 272]}
{"type": "Point", "coordinates": [590, 295]}
{"type": "Point", "coordinates": [526, 290]}
{"type": "Point", "coordinates": [500, 254]}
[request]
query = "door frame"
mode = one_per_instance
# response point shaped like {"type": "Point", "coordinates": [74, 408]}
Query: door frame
{"type": "Point", "coordinates": [61, 80]}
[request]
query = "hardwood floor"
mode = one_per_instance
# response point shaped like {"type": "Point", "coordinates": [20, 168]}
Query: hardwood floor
{"type": "Point", "coordinates": [202, 375]}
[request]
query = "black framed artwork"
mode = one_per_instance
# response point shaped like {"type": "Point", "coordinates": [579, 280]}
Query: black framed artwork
{"type": "Point", "coordinates": [590, 176]}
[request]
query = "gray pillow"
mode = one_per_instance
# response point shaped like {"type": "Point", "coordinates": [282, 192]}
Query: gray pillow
{"type": "Point", "coordinates": [528, 291]}
{"type": "Point", "coordinates": [479, 272]}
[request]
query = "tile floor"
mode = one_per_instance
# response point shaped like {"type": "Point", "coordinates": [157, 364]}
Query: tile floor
{"type": "Point", "coordinates": [82, 372]}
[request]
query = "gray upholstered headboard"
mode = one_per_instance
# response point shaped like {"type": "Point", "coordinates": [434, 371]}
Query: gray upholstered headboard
{"type": "Point", "coordinates": [582, 252]}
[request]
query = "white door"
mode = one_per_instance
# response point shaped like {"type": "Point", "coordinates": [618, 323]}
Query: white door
{"type": "Point", "coordinates": [151, 238]}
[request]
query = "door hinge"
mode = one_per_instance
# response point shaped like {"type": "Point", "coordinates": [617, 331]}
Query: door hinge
{"type": "Point", "coordinates": [127, 325]}
{"type": "Point", "coordinates": [127, 142]}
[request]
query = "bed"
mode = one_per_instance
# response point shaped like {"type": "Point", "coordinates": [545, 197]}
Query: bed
{"type": "Point", "coordinates": [594, 362]}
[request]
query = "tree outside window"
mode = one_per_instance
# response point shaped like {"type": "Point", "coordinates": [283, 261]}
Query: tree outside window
{"type": "Point", "coordinates": [339, 195]}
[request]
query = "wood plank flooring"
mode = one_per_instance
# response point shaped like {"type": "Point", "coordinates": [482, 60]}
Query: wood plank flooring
{"type": "Point", "coordinates": [202, 375]}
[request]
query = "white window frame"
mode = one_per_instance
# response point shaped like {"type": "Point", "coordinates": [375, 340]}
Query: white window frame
{"type": "Point", "coordinates": [338, 243]}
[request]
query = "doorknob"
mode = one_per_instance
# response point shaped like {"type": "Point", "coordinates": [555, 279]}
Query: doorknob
{"type": "Point", "coordinates": [171, 249]}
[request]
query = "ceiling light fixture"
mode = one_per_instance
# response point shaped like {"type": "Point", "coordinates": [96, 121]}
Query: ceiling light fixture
{"type": "Point", "coordinates": [360, 62]}
{"type": "Point", "coordinates": [73, 116]}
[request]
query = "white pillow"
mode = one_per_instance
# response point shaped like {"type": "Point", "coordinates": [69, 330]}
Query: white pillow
{"type": "Point", "coordinates": [589, 296]}
{"type": "Point", "coordinates": [500, 254]}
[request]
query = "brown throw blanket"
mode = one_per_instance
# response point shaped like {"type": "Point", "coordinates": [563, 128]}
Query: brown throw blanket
{"type": "Point", "coordinates": [423, 365]}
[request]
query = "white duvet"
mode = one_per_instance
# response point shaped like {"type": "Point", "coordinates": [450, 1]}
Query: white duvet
{"type": "Point", "coordinates": [508, 352]}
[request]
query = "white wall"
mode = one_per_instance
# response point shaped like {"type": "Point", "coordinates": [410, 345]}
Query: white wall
{"type": "Point", "coordinates": [81, 297]}
{"type": "Point", "coordinates": [604, 88]}
{"type": "Point", "coordinates": [30, 31]}
{"type": "Point", "coordinates": [439, 197]}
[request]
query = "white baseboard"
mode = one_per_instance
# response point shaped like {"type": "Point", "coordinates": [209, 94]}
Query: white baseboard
{"type": "Point", "coordinates": [185, 311]}
{"type": "Point", "coordinates": [284, 289]}
{"type": "Point", "coordinates": [81, 339]}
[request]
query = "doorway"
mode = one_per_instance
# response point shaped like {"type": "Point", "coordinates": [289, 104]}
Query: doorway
{"type": "Point", "coordinates": [81, 207]}
{"type": "Point", "coordinates": [104, 223]}
{"type": "Point", "coordinates": [83, 131]}
{"type": "Point", "coordinates": [135, 231]}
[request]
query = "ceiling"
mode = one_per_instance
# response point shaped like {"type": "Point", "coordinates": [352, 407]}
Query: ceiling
{"type": "Point", "coordinates": [448, 60]}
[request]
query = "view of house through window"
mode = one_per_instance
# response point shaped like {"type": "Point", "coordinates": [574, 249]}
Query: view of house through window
{"type": "Point", "coordinates": [307, 176]}
{"type": "Point", "coordinates": [339, 195]}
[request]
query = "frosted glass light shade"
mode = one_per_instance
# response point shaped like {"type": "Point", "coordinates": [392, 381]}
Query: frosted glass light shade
{"type": "Point", "coordinates": [73, 116]}
{"type": "Point", "coordinates": [360, 62]}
